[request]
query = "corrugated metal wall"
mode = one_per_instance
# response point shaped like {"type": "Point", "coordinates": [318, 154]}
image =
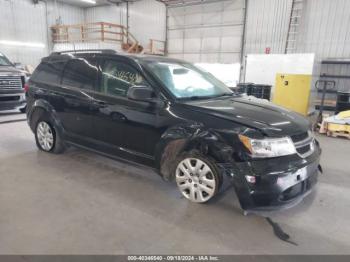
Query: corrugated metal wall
{"type": "Point", "coordinates": [15, 26]}
{"type": "Point", "coordinates": [29, 23]}
{"type": "Point", "coordinates": [326, 32]}
{"type": "Point", "coordinates": [324, 28]}
{"type": "Point", "coordinates": [20, 20]}
{"type": "Point", "coordinates": [111, 14]}
{"type": "Point", "coordinates": [147, 18]}
{"type": "Point", "coordinates": [267, 25]}
{"type": "Point", "coordinates": [206, 32]}
{"type": "Point", "coordinates": [63, 13]}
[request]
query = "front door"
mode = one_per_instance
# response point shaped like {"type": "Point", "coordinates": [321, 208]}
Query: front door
{"type": "Point", "coordinates": [127, 125]}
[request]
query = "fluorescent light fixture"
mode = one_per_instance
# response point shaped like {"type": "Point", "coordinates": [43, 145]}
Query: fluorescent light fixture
{"type": "Point", "coordinates": [20, 43]}
{"type": "Point", "coordinates": [89, 1]}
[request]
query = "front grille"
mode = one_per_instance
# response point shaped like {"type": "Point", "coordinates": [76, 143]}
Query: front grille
{"type": "Point", "coordinates": [10, 82]}
{"type": "Point", "coordinates": [9, 98]}
{"type": "Point", "coordinates": [304, 143]}
{"type": "Point", "coordinates": [304, 149]}
{"type": "Point", "coordinates": [299, 137]}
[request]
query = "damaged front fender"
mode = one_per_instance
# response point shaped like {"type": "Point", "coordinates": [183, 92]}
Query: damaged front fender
{"type": "Point", "coordinates": [179, 139]}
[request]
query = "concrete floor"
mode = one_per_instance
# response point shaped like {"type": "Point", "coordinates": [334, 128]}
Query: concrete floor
{"type": "Point", "coordinates": [82, 203]}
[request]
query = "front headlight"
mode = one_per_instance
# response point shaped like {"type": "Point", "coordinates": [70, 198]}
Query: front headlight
{"type": "Point", "coordinates": [268, 147]}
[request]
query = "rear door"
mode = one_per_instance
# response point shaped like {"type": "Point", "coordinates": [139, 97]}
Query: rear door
{"type": "Point", "coordinates": [45, 81]}
{"type": "Point", "coordinates": [72, 100]}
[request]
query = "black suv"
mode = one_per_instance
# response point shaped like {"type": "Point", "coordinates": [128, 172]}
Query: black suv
{"type": "Point", "coordinates": [176, 118]}
{"type": "Point", "coordinates": [12, 82]}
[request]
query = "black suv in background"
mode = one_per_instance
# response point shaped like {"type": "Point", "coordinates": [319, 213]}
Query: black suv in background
{"type": "Point", "coordinates": [172, 116]}
{"type": "Point", "coordinates": [12, 81]}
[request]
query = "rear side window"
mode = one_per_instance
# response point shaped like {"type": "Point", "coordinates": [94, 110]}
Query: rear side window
{"type": "Point", "coordinates": [80, 73]}
{"type": "Point", "coordinates": [48, 72]}
{"type": "Point", "coordinates": [117, 77]}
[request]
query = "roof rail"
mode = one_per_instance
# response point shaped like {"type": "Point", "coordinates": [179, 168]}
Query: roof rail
{"type": "Point", "coordinates": [103, 51]}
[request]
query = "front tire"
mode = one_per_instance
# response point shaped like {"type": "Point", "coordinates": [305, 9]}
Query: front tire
{"type": "Point", "coordinates": [47, 138]}
{"type": "Point", "coordinates": [197, 177]}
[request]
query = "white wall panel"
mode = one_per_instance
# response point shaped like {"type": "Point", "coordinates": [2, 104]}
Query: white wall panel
{"type": "Point", "coordinates": [63, 13]}
{"type": "Point", "coordinates": [191, 44]}
{"type": "Point", "coordinates": [23, 21]}
{"type": "Point", "coordinates": [326, 29]}
{"type": "Point", "coordinates": [147, 19]}
{"type": "Point", "coordinates": [16, 26]}
{"type": "Point", "coordinates": [211, 44]}
{"type": "Point", "coordinates": [111, 14]}
{"type": "Point", "coordinates": [263, 68]}
{"type": "Point", "coordinates": [28, 22]}
{"type": "Point", "coordinates": [231, 44]}
{"type": "Point", "coordinates": [177, 45]}
{"type": "Point", "coordinates": [212, 32]}
{"type": "Point", "coordinates": [267, 25]}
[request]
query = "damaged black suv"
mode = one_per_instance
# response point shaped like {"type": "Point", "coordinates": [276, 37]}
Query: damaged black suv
{"type": "Point", "coordinates": [176, 118]}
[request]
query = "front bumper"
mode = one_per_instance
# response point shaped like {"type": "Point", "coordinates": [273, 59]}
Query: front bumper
{"type": "Point", "coordinates": [12, 99]}
{"type": "Point", "coordinates": [280, 183]}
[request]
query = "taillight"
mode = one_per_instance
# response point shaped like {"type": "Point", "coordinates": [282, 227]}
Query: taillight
{"type": "Point", "coordinates": [26, 88]}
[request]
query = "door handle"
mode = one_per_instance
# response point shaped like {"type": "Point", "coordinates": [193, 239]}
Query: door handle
{"type": "Point", "coordinates": [116, 116]}
{"type": "Point", "coordinates": [99, 103]}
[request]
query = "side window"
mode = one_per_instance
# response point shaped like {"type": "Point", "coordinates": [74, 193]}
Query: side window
{"type": "Point", "coordinates": [80, 73]}
{"type": "Point", "coordinates": [48, 72]}
{"type": "Point", "coordinates": [118, 77]}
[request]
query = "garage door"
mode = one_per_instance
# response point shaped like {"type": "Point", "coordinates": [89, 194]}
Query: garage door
{"type": "Point", "coordinates": [206, 32]}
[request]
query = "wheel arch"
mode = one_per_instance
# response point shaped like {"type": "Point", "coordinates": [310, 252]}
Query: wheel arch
{"type": "Point", "coordinates": [179, 139]}
{"type": "Point", "coordinates": [39, 108]}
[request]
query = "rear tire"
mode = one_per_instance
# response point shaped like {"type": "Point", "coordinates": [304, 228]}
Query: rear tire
{"type": "Point", "coordinates": [47, 138]}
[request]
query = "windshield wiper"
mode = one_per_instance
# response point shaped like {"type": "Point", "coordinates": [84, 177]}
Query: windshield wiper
{"type": "Point", "coordinates": [198, 97]}
{"type": "Point", "coordinates": [225, 94]}
{"type": "Point", "coordinates": [205, 97]}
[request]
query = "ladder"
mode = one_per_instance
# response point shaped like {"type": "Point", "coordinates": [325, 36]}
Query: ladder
{"type": "Point", "coordinates": [294, 23]}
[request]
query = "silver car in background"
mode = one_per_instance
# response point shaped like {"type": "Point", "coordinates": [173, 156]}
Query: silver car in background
{"type": "Point", "coordinates": [12, 86]}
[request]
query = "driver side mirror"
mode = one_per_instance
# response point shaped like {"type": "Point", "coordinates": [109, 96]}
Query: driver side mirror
{"type": "Point", "coordinates": [141, 93]}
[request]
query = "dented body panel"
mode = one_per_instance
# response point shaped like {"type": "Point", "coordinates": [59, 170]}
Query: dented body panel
{"type": "Point", "coordinates": [281, 182]}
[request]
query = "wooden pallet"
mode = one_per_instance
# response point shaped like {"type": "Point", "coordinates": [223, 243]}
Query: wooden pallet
{"type": "Point", "coordinates": [338, 134]}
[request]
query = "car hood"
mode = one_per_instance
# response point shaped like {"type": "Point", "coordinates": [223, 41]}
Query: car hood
{"type": "Point", "coordinates": [4, 70]}
{"type": "Point", "coordinates": [256, 113]}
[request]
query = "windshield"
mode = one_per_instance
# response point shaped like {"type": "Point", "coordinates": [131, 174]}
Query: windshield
{"type": "Point", "coordinates": [4, 61]}
{"type": "Point", "coordinates": [184, 80]}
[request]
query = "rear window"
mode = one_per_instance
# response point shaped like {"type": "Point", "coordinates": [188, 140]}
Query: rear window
{"type": "Point", "coordinates": [48, 72]}
{"type": "Point", "coordinates": [80, 73]}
